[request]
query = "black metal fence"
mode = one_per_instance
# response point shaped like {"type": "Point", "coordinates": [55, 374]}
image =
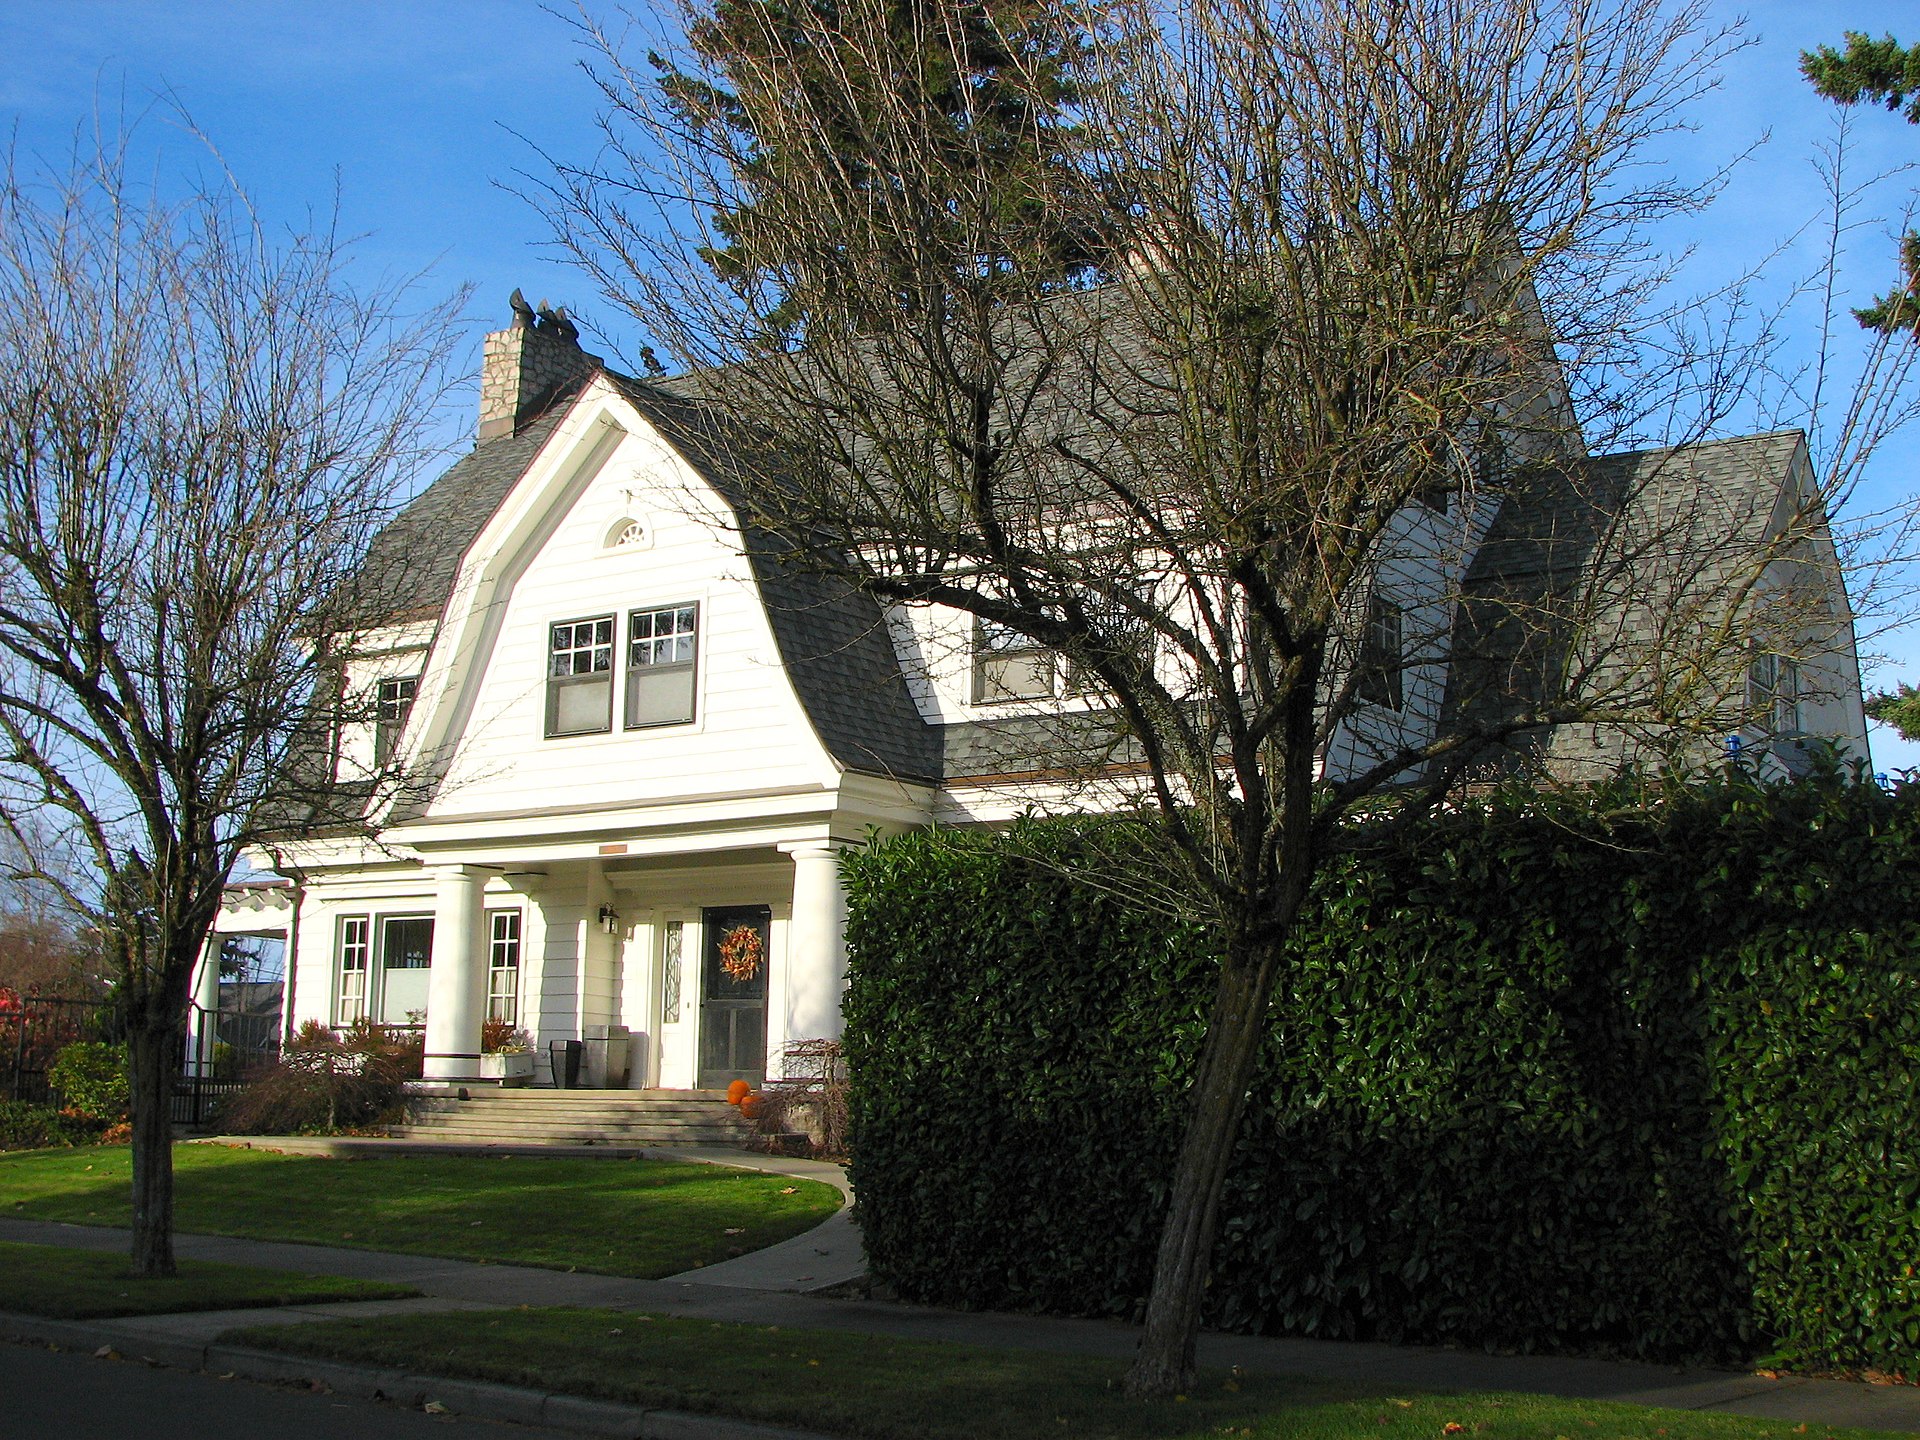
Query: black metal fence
{"type": "Point", "coordinates": [34, 1029]}
{"type": "Point", "coordinates": [218, 1054]}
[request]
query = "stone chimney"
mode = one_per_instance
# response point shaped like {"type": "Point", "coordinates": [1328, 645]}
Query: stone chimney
{"type": "Point", "coordinates": [526, 365]}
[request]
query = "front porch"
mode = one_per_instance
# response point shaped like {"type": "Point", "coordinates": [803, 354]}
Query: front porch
{"type": "Point", "coordinates": [676, 972]}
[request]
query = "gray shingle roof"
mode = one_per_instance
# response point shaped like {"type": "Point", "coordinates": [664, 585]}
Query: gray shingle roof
{"type": "Point", "coordinates": [1602, 547]}
{"type": "Point", "coordinates": [412, 563]}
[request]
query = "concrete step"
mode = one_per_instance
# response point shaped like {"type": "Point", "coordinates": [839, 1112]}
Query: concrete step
{"type": "Point", "coordinates": [575, 1117]}
{"type": "Point", "coordinates": [669, 1140]}
{"type": "Point", "coordinates": [546, 1114]}
{"type": "Point", "coordinates": [451, 1124]}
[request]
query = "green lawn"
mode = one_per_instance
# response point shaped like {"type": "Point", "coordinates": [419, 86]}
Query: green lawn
{"type": "Point", "coordinates": [88, 1284]}
{"type": "Point", "coordinates": [884, 1389]}
{"type": "Point", "coordinates": [621, 1217]}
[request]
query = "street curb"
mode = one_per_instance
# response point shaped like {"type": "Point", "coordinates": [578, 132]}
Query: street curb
{"type": "Point", "coordinates": [481, 1399]}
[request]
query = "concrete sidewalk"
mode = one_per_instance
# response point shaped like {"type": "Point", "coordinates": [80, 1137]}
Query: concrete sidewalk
{"type": "Point", "coordinates": [768, 1288]}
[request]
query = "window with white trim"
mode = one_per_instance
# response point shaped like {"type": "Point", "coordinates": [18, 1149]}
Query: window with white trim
{"type": "Point", "coordinates": [662, 647]}
{"type": "Point", "coordinates": [580, 676]}
{"type": "Point", "coordinates": [1381, 656]}
{"type": "Point", "coordinates": [355, 945]}
{"type": "Point", "coordinates": [1010, 666]}
{"type": "Point", "coordinates": [503, 966]}
{"type": "Point", "coordinates": [1773, 693]}
{"type": "Point", "coordinates": [393, 701]}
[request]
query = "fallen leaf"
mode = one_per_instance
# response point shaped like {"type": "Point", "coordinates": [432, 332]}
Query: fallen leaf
{"type": "Point", "coordinates": [791, 1190]}
{"type": "Point", "coordinates": [434, 1407]}
{"type": "Point", "coordinates": [105, 1352]}
{"type": "Point", "coordinates": [735, 1230]}
{"type": "Point", "coordinates": [1452, 1427]}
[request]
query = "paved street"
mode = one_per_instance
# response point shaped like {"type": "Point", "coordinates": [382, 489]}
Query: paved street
{"type": "Point", "coordinates": [67, 1396]}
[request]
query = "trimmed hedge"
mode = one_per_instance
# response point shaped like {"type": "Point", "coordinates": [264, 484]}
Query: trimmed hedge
{"type": "Point", "coordinates": [1538, 1076]}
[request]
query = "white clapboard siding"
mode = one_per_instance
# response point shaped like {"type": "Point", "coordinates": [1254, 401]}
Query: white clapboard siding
{"type": "Point", "coordinates": [749, 734]}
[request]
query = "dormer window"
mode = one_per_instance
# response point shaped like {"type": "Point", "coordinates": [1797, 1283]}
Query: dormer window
{"type": "Point", "coordinates": [580, 676]}
{"type": "Point", "coordinates": [1009, 666]}
{"type": "Point", "coordinates": [661, 649]}
{"type": "Point", "coordinates": [392, 703]}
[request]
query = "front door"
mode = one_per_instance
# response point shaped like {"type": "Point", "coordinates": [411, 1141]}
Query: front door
{"type": "Point", "coordinates": [733, 996]}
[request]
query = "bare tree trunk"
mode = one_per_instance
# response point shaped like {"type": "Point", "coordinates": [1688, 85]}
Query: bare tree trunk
{"type": "Point", "coordinates": [1165, 1360]}
{"type": "Point", "coordinates": [150, 1053]}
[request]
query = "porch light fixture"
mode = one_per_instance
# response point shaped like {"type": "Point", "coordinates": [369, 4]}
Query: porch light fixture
{"type": "Point", "coordinates": [609, 919]}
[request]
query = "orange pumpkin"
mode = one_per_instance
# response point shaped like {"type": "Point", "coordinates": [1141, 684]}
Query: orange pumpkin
{"type": "Point", "coordinates": [750, 1107]}
{"type": "Point", "coordinates": [738, 1091]}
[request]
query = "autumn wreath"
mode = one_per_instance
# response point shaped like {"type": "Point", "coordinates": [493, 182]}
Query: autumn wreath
{"type": "Point", "coordinates": [742, 953]}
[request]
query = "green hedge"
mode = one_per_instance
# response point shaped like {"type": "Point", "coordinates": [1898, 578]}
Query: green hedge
{"type": "Point", "coordinates": [1639, 1081]}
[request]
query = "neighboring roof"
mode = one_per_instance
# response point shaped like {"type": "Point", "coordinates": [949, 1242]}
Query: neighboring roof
{"type": "Point", "coordinates": [1589, 544]}
{"type": "Point", "coordinates": [413, 562]}
{"type": "Point", "coordinates": [1557, 519]}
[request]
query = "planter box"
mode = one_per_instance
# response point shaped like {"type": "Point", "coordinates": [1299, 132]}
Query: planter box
{"type": "Point", "coordinates": [507, 1068]}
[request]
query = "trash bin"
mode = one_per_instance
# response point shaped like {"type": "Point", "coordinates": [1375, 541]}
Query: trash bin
{"type": "Point", "coordinates": [605, 1067]}
{"type": "Point", "coordinates": [564, 1056]}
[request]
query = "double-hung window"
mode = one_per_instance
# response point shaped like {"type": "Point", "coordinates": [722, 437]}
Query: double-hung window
{"type": "Point", "coordinates": [391, 704]}
{"type": "Point", "coordinates": [503, 966]}
{"type": "Point", "coordinates": [580, 676]}
{"type": "Point", "coordinates": [661, 649]}
{"type": "Point", "coordinates": [350, 1001]}
{"type": "Point", "coordinates": [1773, 693]}
{"type": "Point", "coordinates": [1378, 680]}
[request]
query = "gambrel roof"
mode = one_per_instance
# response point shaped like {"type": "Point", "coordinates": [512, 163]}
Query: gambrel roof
{"type": "Point", "coordinates": [832, 640]}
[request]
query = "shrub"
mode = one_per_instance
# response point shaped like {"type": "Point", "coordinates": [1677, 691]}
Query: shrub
{"type": "Point", "coordinates": [809, 1099]}
{"type": "Point", "coordinates": [91, 1076]}
{"type": "Point", "coordinates": [1539, 1075]}
{"type": "Point", "coordinates": [327, 1082]}
{"type": "Point", "coordinates": [38, 1127]}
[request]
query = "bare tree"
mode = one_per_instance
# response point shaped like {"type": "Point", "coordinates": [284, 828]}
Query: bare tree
{"type": "Point", "coordinates": [200, 424]}
{"type": "Point", "coordinates": [1380, 264]}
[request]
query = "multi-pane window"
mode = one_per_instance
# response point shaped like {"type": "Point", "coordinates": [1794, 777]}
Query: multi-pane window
{"type": "Point", "coordinates": [1773, 693]}
{"type": "Point", "coordinates": [392, 702]}
{"type": "Point", "coordinates": [350, 1002]}
{"type": "Point", "coordinates": [503, 966]}
{"type": "Point", "coordinates": [1378, 679]}
{"type": "Point", "coordinates": [580, 676]}
{"type": "Point", "coordinates": [1009, 666]}
{"type": "Point", "coordinates": [661, 646]}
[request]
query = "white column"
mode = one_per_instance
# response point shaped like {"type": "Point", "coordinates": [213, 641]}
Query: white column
{"type": "Point", "coordinates": [457, 979]}
{"type": "Point", "coordinates": [206, 1001]}
{"type": "Point", "coordinates": [816, 944]}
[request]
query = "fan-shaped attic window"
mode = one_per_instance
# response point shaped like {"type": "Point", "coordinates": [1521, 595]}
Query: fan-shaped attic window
{"type": "Point", "coordinates": [627, 533]}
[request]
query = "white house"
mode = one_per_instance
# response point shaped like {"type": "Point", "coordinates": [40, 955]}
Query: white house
{"type": "Point", "coordinates": [646, 743]}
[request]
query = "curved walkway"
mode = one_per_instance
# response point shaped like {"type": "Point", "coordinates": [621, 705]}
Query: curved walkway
{"type": "Point", "coordinates": [823, 1257]}
{"type": "Point", "coordinates": [771, 1291]}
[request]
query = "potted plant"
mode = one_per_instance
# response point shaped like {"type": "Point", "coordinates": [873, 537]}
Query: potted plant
{"type": "Point", "coordinates": [506, 1054]}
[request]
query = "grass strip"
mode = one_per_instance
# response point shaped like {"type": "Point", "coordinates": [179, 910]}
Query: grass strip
{"type": "Point", "coordinates": [645, 1218]}
{"type": "Point", "coordinates": [62, 1284]}
{"type": "Point", "coordinates": [875, 1387]}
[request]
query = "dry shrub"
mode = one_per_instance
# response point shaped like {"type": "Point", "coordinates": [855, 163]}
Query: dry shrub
{"type": "Point", "coordinates": [328, 1081]}
{"type": "Point", "coordinates": [810, 1099]}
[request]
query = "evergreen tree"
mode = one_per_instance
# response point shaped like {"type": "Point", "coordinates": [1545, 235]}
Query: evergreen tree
{"type": "Point", "coordinates": [977, 108]}
{"type": "Point", "coordinates": [1883, 72]}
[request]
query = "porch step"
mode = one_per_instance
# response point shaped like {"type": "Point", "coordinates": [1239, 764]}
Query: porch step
{"type": "Point", "coordinates": [575, 1117]}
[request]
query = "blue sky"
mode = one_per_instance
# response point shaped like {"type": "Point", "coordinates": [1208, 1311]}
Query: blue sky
{"type": "Point", "coordinates": [420, 110]}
